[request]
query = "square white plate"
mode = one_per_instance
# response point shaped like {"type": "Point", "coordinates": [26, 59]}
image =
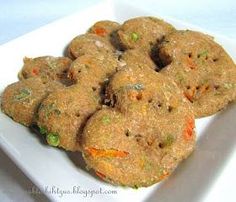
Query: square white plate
{"type": "Point", "coordinates": [207, 175]}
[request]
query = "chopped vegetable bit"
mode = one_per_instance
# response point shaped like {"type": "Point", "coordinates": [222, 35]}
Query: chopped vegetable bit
{"type": "Point", "coordinates": [203, 54]}
{"type": "Point", "coordinates": [188, 131]}
{"type": "Point", "coordinates": [229, 85]}
{"type": "Point", "coordinates": [134, 36]}
{"type": "Point", "coordinates": [169, 140]}
{"type": "Point", "coordinates": [180, 77]}
{"type": "Point", "coordinates": [53, 139]}
{"type": "Point", "coordinates": [49, 109]}
{"type": "Point", "coordinates": [23, 94]}
{"type": "Point", "coordinates": [100, 31]}
{"type": "Point", "coordinates": [35, 71]}
{"type": "Point", "coordinates": [57, 111]}
{"type": "Point", "coordinates": [102, 176]}
{"type": "Point", "coordinates": [162, 173]}
{"type": "Point", "coordinates": [42, 130]}
{"type": "Point", "coordinates": [106, 119]}
{"type": "Point", "coordinates": [189, 95]}
{"type": "Point", "coordinates": [145, 163]}
{"type": "Point", "coordinates": [135, 186]}
{"type": "Point", "coordinates": [137, 86]}
{"type": "Point", "coordinates": [106, 152]}
{"type": "Point", "coordinates": [52, 62]}
{"type": "Point", "coordinates": [190, 63]}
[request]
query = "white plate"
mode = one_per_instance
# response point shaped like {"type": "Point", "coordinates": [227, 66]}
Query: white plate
{"type": "Point", "coordinates": [208, 175]}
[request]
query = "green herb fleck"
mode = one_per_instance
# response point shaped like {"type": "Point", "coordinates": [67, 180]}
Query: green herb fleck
{"type": "Point", "coordinates": [134, 36]}
{"type": "Point", "coordinates": [135, 186]}
{"type": "Point", "coordinates": [51, 108]}
{"type": "Point", "coordinates": [137, 86]}
{"type": "Point", "coordinates": [53, 139]}
{"type": "Point", "coordinates": [106, 119]}
{"type": "Point", "coordinates": [203, 53]}
{"type": "Point", "coordinates": [23, 94]}
{"type": "Point", "coordinates": [169, 140]}
{"type": "Point", "coordinates": [86, 66]}
{"type": "Point", "coordinates": [43, 130]}
{"type": "Point", "coordinates": [52, 62]}
{"type": "Point", "coordinates": [229, 85]}
{"type": "Point", "coordinates": [180, 77]}
{"type": "Point", "coordinates": [160, 171]}
{"type": "Point", "coordinates": [217, 93]}
{"type": "Point", "coordinates": [57, 111]}
{"type": "Point", "coordinates": [147, 163]}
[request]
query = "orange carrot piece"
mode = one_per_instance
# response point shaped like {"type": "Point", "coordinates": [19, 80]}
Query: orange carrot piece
{"type": "Point", "coordinates": [100, 31]}
{"type": "Point", "coordinates": [190, 63]}
{"type": "Point", "coordinates": [188, 131]}
{"type": "Point", "coordinates": [106, 152]}
{"type": "Point", "coordinates": [190, 94]}
{"type": "Point", "coordinates": [102, 176]}
{"type": "Point", "coordinates": [164, 175]}
{"type": "Point", "coordinates": [204, 88]}
{"type": "Point", "coordinates": [35, 71]}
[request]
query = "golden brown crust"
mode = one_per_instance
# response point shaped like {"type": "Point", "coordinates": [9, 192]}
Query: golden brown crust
{"type": "Point", "coordinates": [48, 68]}
{"type": "Point", "coordinates": [201, 68]}
{"type": "Point", "coordinates": [90, 44]}
{"type": "Point", "coordinates": [148, 132]}
{"type": "Point", "coordinates": [21, 100]}
{"type": "Point", "coordinates": [143, 32]}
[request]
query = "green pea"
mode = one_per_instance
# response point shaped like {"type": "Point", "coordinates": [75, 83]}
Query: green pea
{"type": "Point", "coordinates": [23, 94]}
{"type": "Point", "coordinates": [53, 139]}
{"type": "Point", "coordinates": [42, 130]}
{"type": "Point", "coordinates": [134, 36]}
{"type": "Point", "coordinates": [106, 119]}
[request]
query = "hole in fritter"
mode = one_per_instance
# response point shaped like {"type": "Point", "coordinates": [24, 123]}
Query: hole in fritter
{"type": "Point", "coordinates": [188, 87]}
{"type": "Point", "coordinates": [127, 133]}
{"type": "Point", "coordinates": [159, 105]}
{"type": "Point", "coordinates": [139, 96]}
{"type": "Point", "coordinates": [207, 87]}
{"type": "Point", "coordinates": [138, 137]}
{"type": "Point", "coordinates": [150, 101]}
{"type": "Point", "coordinates": [114, 100]}
{"type": "Point", "coordinates": [94, 88]}
{"type": "Point", "coordinates": [110, 101]}
{"type": "Point", "coordinates": [149, 143]}
{"type": "Point", "coordinates": [161, 145]}
{"type": "Point", "coordinates": [190, 55]}
{"type": "Point", "coordinates": [216, 87]}
{"type": "Point", "coordinates": [215, 59]}
{"type": "Point", "coordinates": [159, 56]}
{"type": "Point", "coordinates": [198, 87]}
{"type": "Point", "coordinates": [169, 108]}
{"type": "Point", "coordinates": [77, 114]}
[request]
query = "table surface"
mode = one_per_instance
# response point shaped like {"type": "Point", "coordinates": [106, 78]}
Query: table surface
{"type": "Point", "coordinates": [20, 17]}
